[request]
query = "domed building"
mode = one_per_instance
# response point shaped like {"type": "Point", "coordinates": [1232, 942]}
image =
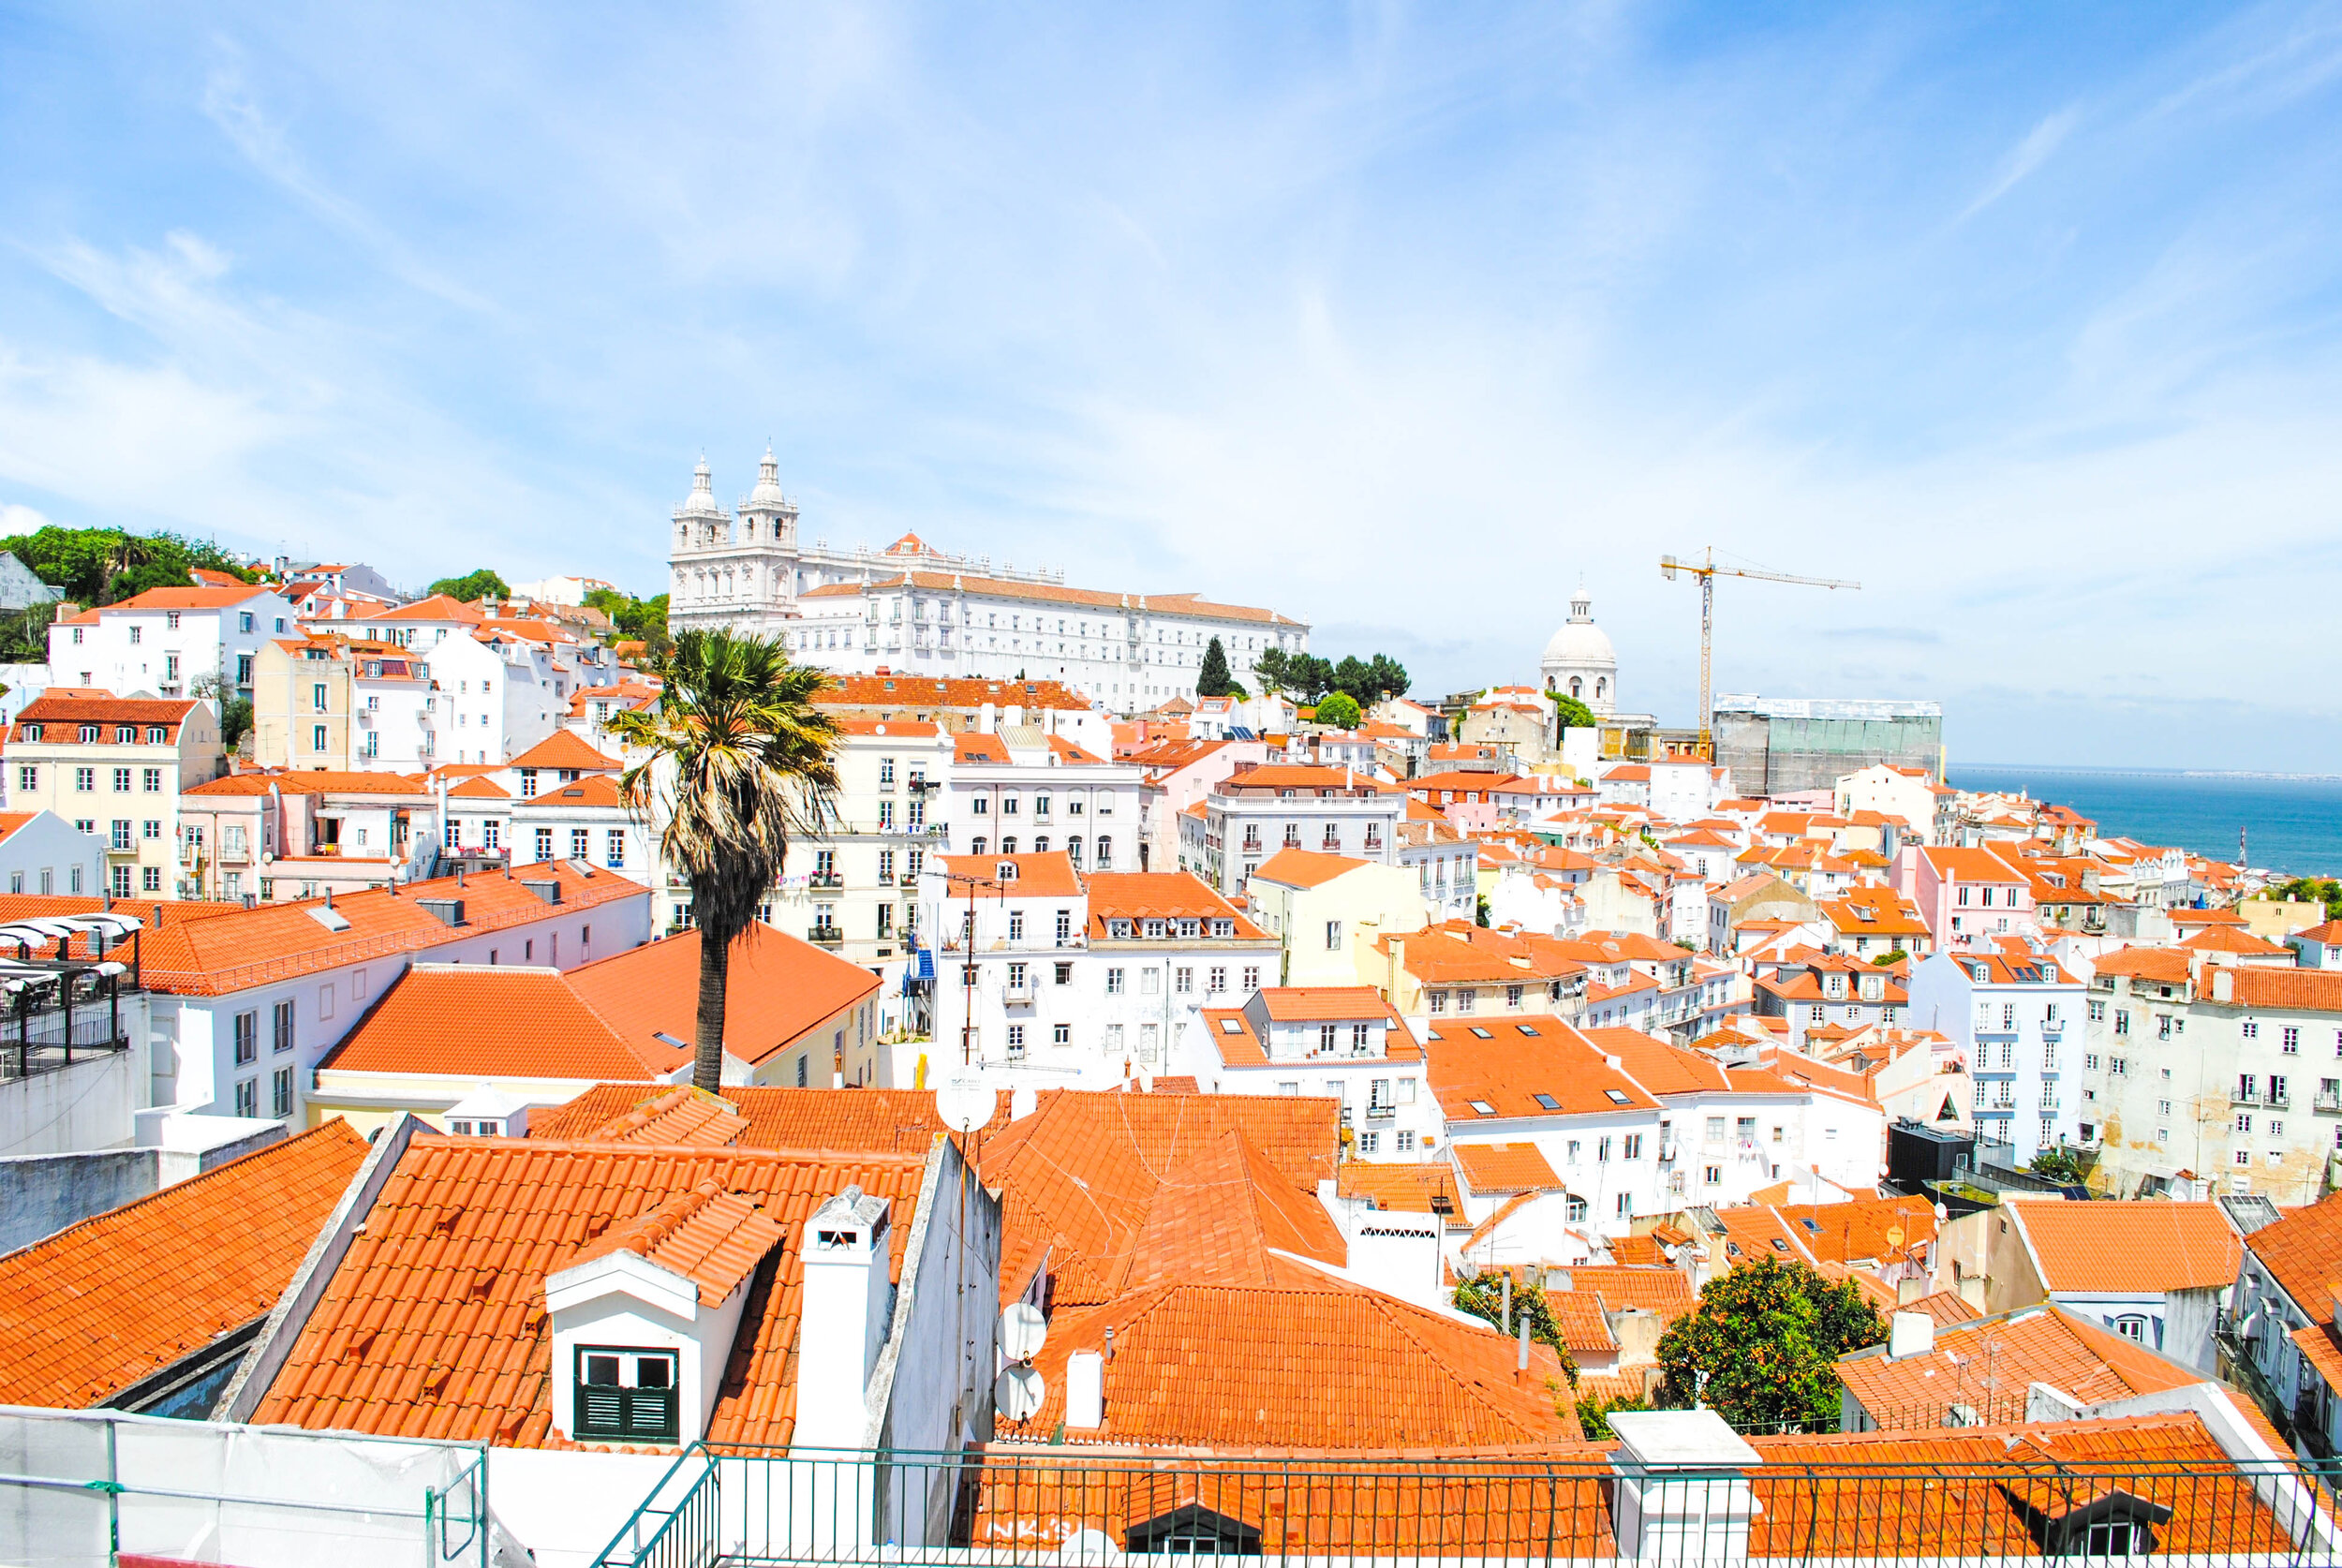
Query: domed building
{"type": "Point", "coordinates": [1579, 661]}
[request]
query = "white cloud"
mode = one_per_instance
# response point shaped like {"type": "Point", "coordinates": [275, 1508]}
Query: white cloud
{"type": "Point", "coordinates": [2027, 155]}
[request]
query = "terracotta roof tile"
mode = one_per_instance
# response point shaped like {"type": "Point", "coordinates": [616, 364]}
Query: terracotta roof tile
{"type": "Point", "coordinates": [2305, 990]}
{"type": "Point", "coordinates": [495, 1022]}
{"type": "Point", "coordinates": [708, 1235]}
{"type": "Point", "coordinates": [434, 1324]}
{"type": "Point", "coordinates": [2302, 1253]}
{"type": "Point", "coordinates": [2013, 1349]}
{"type": "Point", "coordinates": [566, 748]}
{"type": "Point", "coordinates": [885, 1121]}
{"type": "Point", "coordinates": [1523, 1063]}
{"type": "Point", "coordinates": [1503, 1168]}
{"type": "Point", "coordinates": [1663, 1290]}
{"type": "Point", "coordinates": [1410, 1189]}
{"type": "Point", "coordinates": [1305, 867]}
{"type": "Point", "coordinates": [2126, 1249]}
{"type": "Point", "coordinates": [100, 1305]}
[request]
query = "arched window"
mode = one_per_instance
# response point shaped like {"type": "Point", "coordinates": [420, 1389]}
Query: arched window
{"type": "Point", "coordinates": [1106, 854]}
{"type": "Point", "coordinates": [2131, 1327]}
{"type": "Point", "coordinates": [1073, 851]}
{"type": "Point", "coordinates": [1577, 686]}
{"type": "Point", "coordinates": [1576, 1206]}
{"type": "Point", "coordinates": [1602, 686]}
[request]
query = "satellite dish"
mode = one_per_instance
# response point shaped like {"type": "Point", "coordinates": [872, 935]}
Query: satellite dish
{"type": "Point", "coordinates": [1017, 1392]}
{"type": "Point", "coordinates": [1089, 1545]}
{"type": "Point", "coordinates": [1022, 1331]}
{"type": "Point", "coordinates": [965, 1103]}
{"type": "Point", "coordinates": [1894, 1235]}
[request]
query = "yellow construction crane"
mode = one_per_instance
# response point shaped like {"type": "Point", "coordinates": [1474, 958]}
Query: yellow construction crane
{"type": "Point", "coordinates": [1706, 569]}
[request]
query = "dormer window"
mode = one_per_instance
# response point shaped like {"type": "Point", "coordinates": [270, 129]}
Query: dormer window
{"type": "Point", "coordinates": [626, 1395]}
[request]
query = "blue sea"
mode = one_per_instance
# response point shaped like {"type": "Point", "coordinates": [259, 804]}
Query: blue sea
{"type": "Point", "coordinates": [2293, 825]}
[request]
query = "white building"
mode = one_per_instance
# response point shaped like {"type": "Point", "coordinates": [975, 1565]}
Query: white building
{"type": "Point", "coordinates": [1019, 790]}
{"type": "Point", "coordinates": [917, 611]}
{"type": "Point", "coordinates": [1579, 660]}
{"type": "Point", "coordinates": [114, 768]}
{"type": "Point", "coordinates": [2018, 1018]}
{"type": "Point", "coordinates": [498, 687]}
{"type": "Point", "coordinates": [1343, 1043]}
{"type": "Point", "coordinates": [1057, 978]}
{"type": "Point", "coordinates": [1256, 811]}
{"type": "Point", "coordinates": [165, 641]}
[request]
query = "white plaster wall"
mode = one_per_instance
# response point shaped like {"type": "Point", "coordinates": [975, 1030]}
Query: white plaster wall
{"type": "Point", "coordinates": [565, 1505]}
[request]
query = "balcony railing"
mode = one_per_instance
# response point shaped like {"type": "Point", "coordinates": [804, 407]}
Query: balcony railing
{"type": "Point", "coordinates": [828, 936]}
{"type": "Point", "coordinates": [1013, 1503]}
{"type": "Point", "coordinates": [2328, 1100]}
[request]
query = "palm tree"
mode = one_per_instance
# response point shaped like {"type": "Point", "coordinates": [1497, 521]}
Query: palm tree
{"type": "Point", "coordinates": [738, 760]}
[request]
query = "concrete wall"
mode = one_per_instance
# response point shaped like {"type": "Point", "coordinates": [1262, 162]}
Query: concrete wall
{"type": "Point", "coordinates": [42, 1194]}
{"type": "Point", "coordinates": [565, 1505]}
{"type": "Point", "coordinates": [86, 1104]}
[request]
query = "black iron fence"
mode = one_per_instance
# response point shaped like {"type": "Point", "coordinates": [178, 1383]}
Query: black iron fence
{"type": "Point", "coordinates": [1928, 1496]}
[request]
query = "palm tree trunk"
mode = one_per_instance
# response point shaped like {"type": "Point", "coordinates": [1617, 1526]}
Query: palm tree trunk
{"type": "Point", "coordinates": [707, 1033]}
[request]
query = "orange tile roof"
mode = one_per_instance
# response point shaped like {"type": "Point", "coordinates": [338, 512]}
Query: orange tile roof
{"type": "Point", "coordinates": [316, 782]}
{"type": "Point", "coordinates": [598, 790]}
{"type": "Point", "coordinates": [102, 1303]}
{"type": "Point", "coordinates": [1663, 1290]}
{"type": "Point", "coordinates": [777, 987]}
{"type": "Point", "coordinates": [567, 749]}
{"type": "Point", "coordinates": [2304, 990]}
{"type": "Point", "coordinates": [885, 1121]}
{"type": "Point", "coordinates": [1408, 1188]}
{"type": "Point", "coordinates": [1503, 1168]}
{"type": "Point", "coordinates": [1305, 867]}
{"type": "Point", "coordinates": [1080, 1173]}
{"type": "Point", "coordinates": [2035, 1344]}
{"type": "Point", "coordinates": [1945, 1307]}
{"type": "Point", "coordinates": [681, 1114]}
{"type": "Point", "coordinates": [1049, 876]}
{"type": "Point", "coordinates": [495, 1022]}
{"type": "Point", "coordinates": [54, 708]}
{"type": "Point", "coordinates": [2302, 1253]}
{"type": "Point", "coordinates": [277, 943]}
{"type": "Point", "coordinates": [480, 787]}
{"type": "Point", "coordinates": [1304, 1004]}
{"type": "Point", "coordinates": [1312, 1362]}
{"type": "Point", "coordinates": [434, 1324]}
{"type": "Point", "coordinates": [437, 607]}
{"type": "Point", "coordinates": [1222, 1215]}
{"type": "Point", "coordinates": [708, 1235]}
{"type": "Point", "coordinates": [2127, 1248]}
{"type": "Point", "coordinates": [1945, 1494]}
{"type": "Point", "coordinates": [1160, 895]}
{"type": "Point", "coordinates": [1522, 1059]}
{"type": "Point", "coordinates": [910, 691]}
{"type": "Point", "coordinates": [1639, 1250]}
{"type": "Point", "coordinates": [1578, 1317]}
{"type": "Point", "coordinates": [1861, 1229]}
{"type": "Point", "coordinates": [189, 599]}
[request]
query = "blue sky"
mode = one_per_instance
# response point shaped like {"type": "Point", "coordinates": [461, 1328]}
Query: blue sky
{"type": "Point", "coordinates": [1400, 319]}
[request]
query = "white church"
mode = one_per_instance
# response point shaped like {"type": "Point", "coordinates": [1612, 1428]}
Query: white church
{"type": "Point", "coordinates": [1579, 662]}
{"type": "Point", "coordinates": [911, 609]}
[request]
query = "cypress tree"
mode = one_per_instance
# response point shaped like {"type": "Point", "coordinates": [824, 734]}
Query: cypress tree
{"type": "Point", "coordinates": [1213, 680]}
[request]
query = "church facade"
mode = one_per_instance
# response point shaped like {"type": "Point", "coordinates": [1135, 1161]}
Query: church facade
{"type": "Point", "coordinates": [911, 609]}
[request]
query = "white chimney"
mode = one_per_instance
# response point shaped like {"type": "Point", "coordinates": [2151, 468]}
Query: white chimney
{"type": "Point", "coordinates": [1682, 1488]}
{"type": "Point", "coordinates": [842, 1319]}
{"type": "Point", "coordinates": [1909, 1334]}
{"type": "Point", "coordinates": [1085, 1391]}
{"type": "Point", "coordinates": [985, 721]}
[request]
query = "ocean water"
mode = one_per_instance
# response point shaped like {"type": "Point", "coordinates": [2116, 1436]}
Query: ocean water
{"type": "Point", "coordinates": [2293, 825]}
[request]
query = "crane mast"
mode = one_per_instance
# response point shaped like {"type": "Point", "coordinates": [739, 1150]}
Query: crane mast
{"type": "Point", "coordinates": [1706, 569]}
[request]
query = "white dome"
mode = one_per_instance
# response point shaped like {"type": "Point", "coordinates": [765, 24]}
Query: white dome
{"type": "Point", "coordinates": [1581, 645]}
{"type": "Point", "coordinates": [768, 491]}
{"type": "Point", "coordinates": [702, 500]}
{"type": "Point", "coordinates": [1579, 660]}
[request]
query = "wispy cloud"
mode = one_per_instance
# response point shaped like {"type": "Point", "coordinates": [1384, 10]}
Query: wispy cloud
{"type": "Point", "coordinates": [2039, 142]}
{"type": "Point", "coordinates": [1399, 320]}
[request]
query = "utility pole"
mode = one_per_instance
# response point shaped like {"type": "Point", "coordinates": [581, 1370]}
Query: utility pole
{"type": "Point", "coordinates": [971, 881]}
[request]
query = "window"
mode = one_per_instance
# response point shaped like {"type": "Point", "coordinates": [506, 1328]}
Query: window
{"type": "Point", "coordinates": [627, 1395]}
{"type": "Point", "coordinates": [281, 1093]}
{"type": "Point", "coordinates": [247, 1034]}
{"type": "Point", "coordinates": [1577, 1208]}
{"type": "Point", "coordinates": [1439, 1002]}
{"type": "Point", "coordinates": [119, 836]}
{"type": "Point", "coordinates": [1252, 977]}
{"type": "Point", "coordinates": [1625, 1205]}
{"type": "Point", "coordinates": [1370, 1143]}
{"type": "Point", "coordinates": [317, 737]}
{"type": "Point", "coordinates": [2289, 1040]}
{"type": "Point", "coordinates": [122, 781]}
{"type": "Point", "coordinates": [2250, 1028]}
{"type": "Point", "coordinates": [149, 878]}
{"type": "Point", "coordinates": [1333, 936]}
{"type": "Point", "coordinates": [614, 849]}
{"type": "Point", "coordinates": [1183, 981]}
{"type": "Point", "coordinates": [1114, 983]}
{"type": "Point", "coordinates": [28, 779]}
{"type": "Point", "coordinates": [1711, 1176]}
{"type": "Point", "coordinates": [281, 1027]}
{"type": "Point", "coordinates": [85, 780]}
{"type": "Point", "coordinates": [1633, 1146]}
{"type": "Point", "coordinates": [1215, 978]}
{"type": "Point", "coordinates": [248, 1097]}
{"type": "Point", "coordinates": [2121, 1020]}
{"type": "Point", "coordinates": [1358, 1039]}
{"type": "Point", "coordinates": [1016, 1042]}
{"type": "Point", "coordinates": [120, 880]}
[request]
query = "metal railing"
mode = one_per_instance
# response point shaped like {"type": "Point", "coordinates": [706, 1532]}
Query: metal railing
{"type": "Point", "coordinates": [1975, 1498]}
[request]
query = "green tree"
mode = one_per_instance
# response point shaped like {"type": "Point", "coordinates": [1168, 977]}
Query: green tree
{"type": "Point", "coordinates": [1483, 1296]}
{"type": "Point", "coordinates": [1339, 711]}
{"type": "Point", "coordinates": [738, 760]}
{"type": "Point", "coordinates": [1758, 1347]}
{"type": "Point", "coordinates": [105, 566]}
{"type": "Point", "coordinates": [643, 619]}
{"type": "Point", "coordinates": [1387, 677]}
{"type": "Point", "coordinates": [483, 583]}
{"type": "Point", "coordinates": [1480, 911]}
{"type": "Point", "coordinates": [1213, 679]}
{"type": "Point", "coordinates": [2314, 890]}
{"type": "Point", "coordinates": [1571, 713]}
{"type": "Point", "coordinates": [2059, 1165]}
{"type": "Point", "coordinates": [1593, 1414]}
{"type": "Point", "coordinates": [25, 633]}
